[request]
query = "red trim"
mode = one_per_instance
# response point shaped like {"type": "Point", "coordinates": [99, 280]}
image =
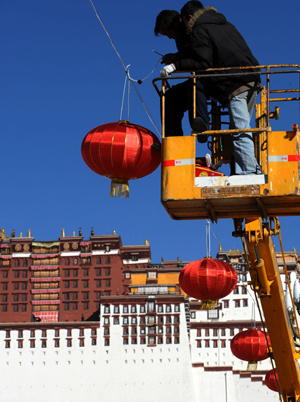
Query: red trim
{"type": "Point", "coordinates": [293, 158]}
{"type": "Point", "coordinates": [168, 163]}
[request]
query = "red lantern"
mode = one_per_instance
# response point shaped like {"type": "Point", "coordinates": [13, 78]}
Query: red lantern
{"type": "Point", "coordinates": [271, 380]}
{"type": "Point", "coordinates": [208, 279]}
{"type": "Point", "coordinates": [250, 345]}
{"type": "Point", "coordinates": [121, 151]}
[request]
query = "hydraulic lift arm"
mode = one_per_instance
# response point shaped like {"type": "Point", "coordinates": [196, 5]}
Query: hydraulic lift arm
{"type": "Point", "coordinates": [266, 282]}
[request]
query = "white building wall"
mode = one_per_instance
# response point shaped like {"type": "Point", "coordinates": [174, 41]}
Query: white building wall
{"type": "Point", "coordinates": [224, 386]}
{"type": "Point", "coordinates": [114, 373]}
{"type": "Point", "coordinates": [149, 373]}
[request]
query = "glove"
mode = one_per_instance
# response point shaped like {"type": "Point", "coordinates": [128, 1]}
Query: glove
{"type": "Point", "coordinates": [167, 70]}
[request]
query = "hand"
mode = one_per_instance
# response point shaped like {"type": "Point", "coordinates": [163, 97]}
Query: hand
{"type": "Point", "coordinates": [167, 70]}
{"type": "Point", "coordinates": [169, 58]}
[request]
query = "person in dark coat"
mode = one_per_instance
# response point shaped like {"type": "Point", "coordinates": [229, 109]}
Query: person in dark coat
{"type": "Point", "coordinates": [179, 98]}
{"type": "Point", "coordinates": [216, 43]}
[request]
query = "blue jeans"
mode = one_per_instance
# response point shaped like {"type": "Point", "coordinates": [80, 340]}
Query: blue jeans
{"type": "Point", "coordinates": [240, 112]}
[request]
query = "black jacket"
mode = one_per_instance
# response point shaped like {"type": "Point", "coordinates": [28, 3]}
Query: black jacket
{"type": "Point", "coordinates": [215, 43]}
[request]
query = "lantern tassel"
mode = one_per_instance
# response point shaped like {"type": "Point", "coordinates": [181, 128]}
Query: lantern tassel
{"type": "Point", "coordinates": [119, 188]}
{"type": "Point", "coordinates": [252, 366]}
{"type": "Point", "coordinates": [208, 305]}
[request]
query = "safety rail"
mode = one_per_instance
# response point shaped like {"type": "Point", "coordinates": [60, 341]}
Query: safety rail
{"type": "Point", "coordinates": [263, 70]}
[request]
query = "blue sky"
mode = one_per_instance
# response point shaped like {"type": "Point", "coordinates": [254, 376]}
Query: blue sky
{"type": "Point", "coordinates": [60, 78]}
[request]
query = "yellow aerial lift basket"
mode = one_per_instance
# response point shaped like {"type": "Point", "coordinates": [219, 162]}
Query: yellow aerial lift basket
{"type": "Point", "coordinates": [276, 192]}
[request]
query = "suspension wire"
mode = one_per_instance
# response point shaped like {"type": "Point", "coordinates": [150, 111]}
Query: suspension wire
{"type": "Point", "coordinates": [288, 283]}
{"type": "Point", "coordinates": [131, 80]}
{"type": "Point", "coordinates": [123, 96]}
{"type": "Point", "coordinates": [208, 239]}
{"type": "Point", "coordinates": [128, 102]}
{"type": "Point", "coordinates": [207, 221]}
{"type": "Point", "coordinates": [145, 108]}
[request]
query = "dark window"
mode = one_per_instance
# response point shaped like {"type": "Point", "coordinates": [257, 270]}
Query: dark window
{"type": "Point", "coordinates": [75, 272]}
{"type": "Point", "coordinates": [107, 260]}
{"type": "Point", "coordinates": [17, 263]}
{"type": "Point", "coordinates": [98, 260]}
{"type": "Point", "coordinates": [226, 303]}
{"type": "Point", "coordinates": [107, 271]}
{"type": "Point", "coordinates": [16, 274]}
{"type": "Point", "coordinates": [98, 271]}
{"type": "Point", "coordinates": [85, 272]}
{"type": "Point", "coordinates": [85, 305]}
{"type": "Point", "coordinates": [25, 263]}
{"type": "Point", "coordinates": [5, 274]}
{"type": "Point", "coordinates": [85, 284]}
{"type": "Point", "coordinates": [67, 273]}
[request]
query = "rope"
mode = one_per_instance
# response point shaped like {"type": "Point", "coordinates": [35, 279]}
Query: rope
{"type": "Point", "coordinates": [126, 69]}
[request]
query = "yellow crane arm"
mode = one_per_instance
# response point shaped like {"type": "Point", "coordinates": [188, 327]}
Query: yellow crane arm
{"type": "Point", "coordinates": [266, 282]}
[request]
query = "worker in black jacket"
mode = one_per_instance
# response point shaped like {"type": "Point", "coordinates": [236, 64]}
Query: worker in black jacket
{"type": "Point", "coordinates": [216, 43]}
{"type": "Point", "coordinates": [179, 97]}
